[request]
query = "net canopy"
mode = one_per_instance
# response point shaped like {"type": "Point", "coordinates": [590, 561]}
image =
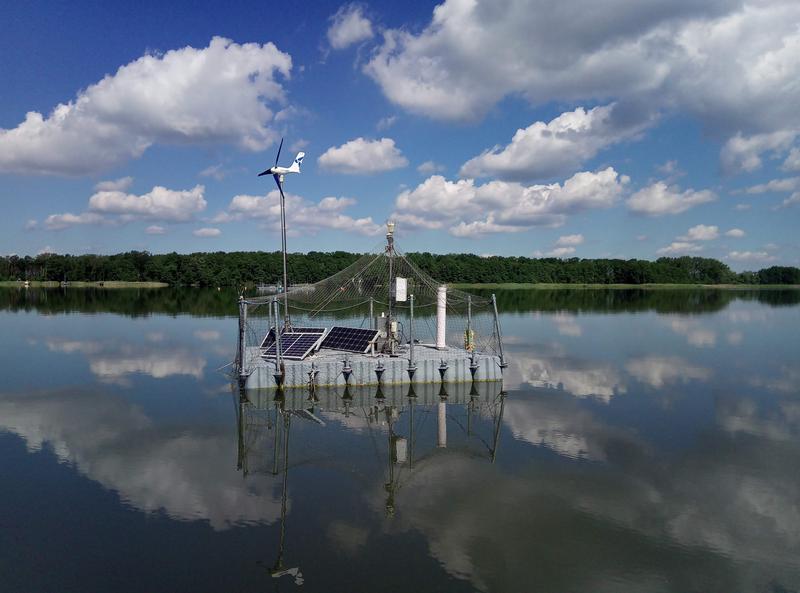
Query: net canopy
{"type": "Point", "coordinates": [371, 293]}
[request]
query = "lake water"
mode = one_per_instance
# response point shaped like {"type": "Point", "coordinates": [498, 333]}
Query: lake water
{"type": "Point", "coordinates": [643, 441]}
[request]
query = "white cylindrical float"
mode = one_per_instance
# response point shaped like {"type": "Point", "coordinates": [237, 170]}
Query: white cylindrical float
{"type": "Point", "coordinates": [441, 441]}
{"type": "Point", "coordinates": [441, 317]}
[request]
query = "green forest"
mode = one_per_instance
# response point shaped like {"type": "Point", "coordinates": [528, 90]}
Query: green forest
{"type": "Point", "coordinates": [240, 269]}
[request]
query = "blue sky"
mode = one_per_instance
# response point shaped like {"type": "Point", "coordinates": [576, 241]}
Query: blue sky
{"type": "Point", "coordinates": [618, 128]}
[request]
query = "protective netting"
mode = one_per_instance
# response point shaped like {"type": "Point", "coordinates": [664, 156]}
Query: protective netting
{"type": "Point", "coordinates": [364, 295]}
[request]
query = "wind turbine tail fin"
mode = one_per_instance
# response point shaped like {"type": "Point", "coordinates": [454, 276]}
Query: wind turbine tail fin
{"type": "Point", "coordinates": [295, 168]}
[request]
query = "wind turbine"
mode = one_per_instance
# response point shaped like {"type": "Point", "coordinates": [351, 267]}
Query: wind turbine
{"type": "Point", "coordinates": [278, 174]}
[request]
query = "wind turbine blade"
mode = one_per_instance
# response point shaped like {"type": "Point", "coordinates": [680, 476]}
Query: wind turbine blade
{"type": "Point", "coordinates": [263, 173]}
{"type": "Point", "coordinates": [279, 152]}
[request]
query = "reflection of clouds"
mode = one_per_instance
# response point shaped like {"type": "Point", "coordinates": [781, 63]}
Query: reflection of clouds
{"type": "Point", "coordinates": [566, 325]}
{"type": "Point", "coordinates": [747, 315]}
{"type": "Point", "coordinates": [695, 334]}
{"type": "Point", "coordinates": [787, 381]}
{"type": "Point", "coordinates": [112, 362]}
{"type": "Point", "coordinates": [156, 364]}
{"type": "Point", "coordinates": [579, 377]}
{"type": "Point", "coordinates": [189, 475]}
{"type": "Point", "coordinates": [735, 338]}
{"type": "Point", "coordinates": [346, 537]}
{"type": "Point", "coordinates": [207, 335]}
{"type": "Point", "coordinates": [730, 510]}
{"type": "Point", "coordinates": [558, 424]}
{"type": "Point", "coordinates": [658, 371]}
{"type": "Point", "coordinates": [67, 346]}
{"type": "Point", "coordinates": [743, 415]}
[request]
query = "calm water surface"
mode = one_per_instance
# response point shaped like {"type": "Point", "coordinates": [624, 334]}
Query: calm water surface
{"type": "Point", "coordinates": [643, 441]}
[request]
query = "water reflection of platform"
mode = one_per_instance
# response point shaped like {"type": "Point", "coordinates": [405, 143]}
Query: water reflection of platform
{"type": "Point", "coordinates": [340, 398]}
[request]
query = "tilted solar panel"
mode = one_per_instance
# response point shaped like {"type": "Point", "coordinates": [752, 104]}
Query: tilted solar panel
{"type": "Point", "coordinates": [269, 339]}
{"type": "Point", "coordinates": [295, 344]}
{"type": "Point", "coordinates": [350, 339]}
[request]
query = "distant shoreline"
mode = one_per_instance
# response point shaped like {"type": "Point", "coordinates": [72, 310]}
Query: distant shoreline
{"type": "Point", "coordinates": [79, 284]}
{"type": "Point", "coordinates": [475, 286]}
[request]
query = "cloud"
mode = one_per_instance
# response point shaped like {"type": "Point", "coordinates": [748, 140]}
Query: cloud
{"type": "Point", "coordinates": [701, 232]}
{"type": "Point", "coordinates": [155, 229]}
{"type": "Point", "coordinates": [751, 256]}
{"type": "Point", "coordinates": [214, 171]}
{"type": "Point", "coordinates": [349, 26]}
{"type": "Point", "coordinates": [558, 147]}
{"type": "Point", "coordinates": [498, 206]}
{"type": "Point", "coordinates": [742, 207]}
{"type": "Point", "coordinates": [117, 207]}
{"type": "Point", "coordinates": [207, 232]}
{"type": "Point", "coordinates": [159, 203]}
{"type": "Point", "coordinates": [301, 214]}
{"type": "Point", "coordinates": [775, 185]}
{"type": "Point", "coordinates": [658, 199]}
{"type": "Point", "coordinates": [790, 201]}
{"type": "Point", "coordinates": [792, 162]}
{"type": "Point", "coordinates": [567, 240]}
{"type": "Point", "coordinates": [430, 167]}
{"type": "Point", "coordinates": [730, 64]}
{"type": "Point", "coordinates": [46, 249]}
{"type": "Point", "coordinates": [217, 94]}
{"type": "Point", "coordinates": [361, 156]}
{"type": "Point", "coordinates": [679, 248]}
{"type": "Point", "coordinates": [735, 233]}
{"type": "Point", "coordinates": [744, 153]}
{"type": "Point", "coordinates": [121, 184]}
{"type": "Point", "coordinates": [385, 123]}
{"type": "Point", "coordinates": [59, 222]}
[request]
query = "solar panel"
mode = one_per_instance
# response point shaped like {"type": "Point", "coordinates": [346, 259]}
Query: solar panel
{"type": "Point", "coordinates": [295, 344]}
{"type": "Point", "coordinates": [351, 339]}
{"type": "Point", "coordinates": [269, 339]}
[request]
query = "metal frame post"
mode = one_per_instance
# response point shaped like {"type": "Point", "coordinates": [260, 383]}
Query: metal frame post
{"type": "Point", "coordinates": [411, 364]}
{"type": "Point", "coordinates": [499, 335]}
{"type": "Point", "coordinates": [278, 351]}
{"type": "Point", "coordinates": [285, 274]}
{"type": "Point", "coordinates": [242, 336]}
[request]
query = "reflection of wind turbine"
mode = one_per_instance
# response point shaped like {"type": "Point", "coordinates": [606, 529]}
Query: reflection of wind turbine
{"type": "Point", "coordinates": [278, 174]}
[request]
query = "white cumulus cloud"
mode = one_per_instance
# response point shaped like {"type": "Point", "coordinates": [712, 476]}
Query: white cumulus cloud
{"type": "Point", "coordinates": [735, 233]}
{"type": "Point", "coordinates": [121, 184]}
{"type": "Point", "coordinates": [361, 156]}
{"type": "Point", "coordinates": [155, 229]}
{"type": "Point", "coordinates": [115, 207]}
{"type": "Point", "coordinates": [469, 209]}
{"type": "Point", "coordinates": [751, 256]}
{"type": "Point", "coordinates": [680, 248]}
{"type": "Point", "coordinates": [301, 215]}
{"type": "Point", "coordinates": [701, 232]}
{"type": "Point", "coordinates": [219, 93]}
{"type": "Point", "coordinates": [732, 64]}
{"type": "Point", "coordinates": [207, 232]}
{"type": "Point", "coordinates": [568, 240]}
{"type": "Point", "coordinates": [349, 26]}
{"type": "Point", "coordinates": [430, 167]}
{"type": "Point", "coordinates": [58, 222]}
{"type": "Point", "coordinates": [561, 146]}
{"type": "Point", "coordinates": [658, 199]}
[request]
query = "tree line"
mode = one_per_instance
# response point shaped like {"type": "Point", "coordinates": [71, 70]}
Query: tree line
{"type": "Point", "coordinates": [242, 268]}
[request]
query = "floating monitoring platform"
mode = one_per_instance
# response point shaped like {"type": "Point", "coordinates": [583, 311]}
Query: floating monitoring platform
{"type": "Point", "coordinates": [380, 321]}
